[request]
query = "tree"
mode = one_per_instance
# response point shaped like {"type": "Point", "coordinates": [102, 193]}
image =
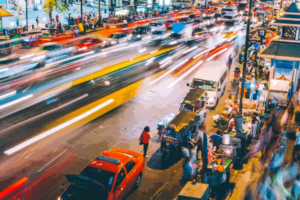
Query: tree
{"type": "Point", "coordinates": [153, 2]}
{"type": "Point", "coordinates": [59, 6]}
{"type": "Point", "coordinates": [111, 8]}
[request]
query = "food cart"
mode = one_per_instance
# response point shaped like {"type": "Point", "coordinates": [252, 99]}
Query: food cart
{"type": "Point", "coordinates": [185, 123]}
{"type": "Point", "coordinates": [217, 171]}
{"type": "Point", "coordinates": [195, 101]}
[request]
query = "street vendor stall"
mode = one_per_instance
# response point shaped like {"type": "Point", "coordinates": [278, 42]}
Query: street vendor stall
{"type": "Point", "coordinates": [184, 123]}
{"type": "Point", "coordinates": [217, 171]}
{"type": "Point", "coordinates": [195, 101]}
{"type": "Point", "coordinates": [255, 96]}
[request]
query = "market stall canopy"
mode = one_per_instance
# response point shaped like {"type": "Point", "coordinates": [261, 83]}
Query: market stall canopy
{"type": "Point", "coordinates": [184, 119]}
{"type": "Point", "coordinates": [193, 96]}
{"type": "Point", "coordinates": [4, 13]}
{"type": "Point", "coordinates": [282, 51]}
{"type": "Point", "coordinates": [291, 17]}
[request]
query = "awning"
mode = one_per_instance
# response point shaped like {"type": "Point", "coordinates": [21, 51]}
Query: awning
{"type": "Point", "coordinates": [282, 51]}
{"type": "Point", "coordinates": [281, 22]}
{"type": "Point", "coordinates": [4, 13]}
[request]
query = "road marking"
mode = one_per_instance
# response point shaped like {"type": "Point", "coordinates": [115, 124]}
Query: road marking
{"type": "Point", "coordinates": [52, 160]}
{"type": "Point", "coordinates": [116, 144]}
{"type": "Point", "coordinates": [28, 156]}
{"type": "Point", "coordinates": [45, 113]}
{"type": "Point", "coordinates": [57, 128]}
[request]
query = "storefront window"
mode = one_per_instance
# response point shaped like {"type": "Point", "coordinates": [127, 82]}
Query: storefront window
{"type": "Point", "coordinates": [289, 33]}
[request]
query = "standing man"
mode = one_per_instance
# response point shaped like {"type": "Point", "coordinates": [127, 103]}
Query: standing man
{"type": "Point", "coordinates": [145, 139]}
{"type": "Point", "coordinates": [37, 21]}
{"type": "Point", "coordinates": [57, 18]}
{"type": "Point", "coordinates": [229, 61]}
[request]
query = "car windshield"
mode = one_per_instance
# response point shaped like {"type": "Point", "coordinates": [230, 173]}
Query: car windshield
{"type": "Point", "coordinates": [170, 22]}
{"type": "Point", "coordinates": [105, 178]}
{"type": "Point", "coordinates": [157, 32]}
{"type": "Point", "coordinates": [229, 23]}
{"type": "Point", "coordinates": [228, 17]}
{"type": "Point", "coordinates": [138, 31]}
{"type": "Point", "coordinates": [114, 36]}
{"type": "Point", "coordinates": [153, 24]}
{"type": "Point", "coordinates": [206, 18]}
{"type": "Point", "coordinates": [85, 41]}
{"type": "Point", "coordinates": [183, 20]}
{"type": "Point", "coordinates": [205, 85]}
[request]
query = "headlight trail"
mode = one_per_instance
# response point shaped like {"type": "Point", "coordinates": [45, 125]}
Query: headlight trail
{"type": "Point", "coordinates": [169, 71]}
{"type": "Point", "coordinates": [16, 101]}
{"type": "Point", "coordinates": [216, 54]}
{"type": "Point", "coordinates": [184, 75]}
{"type": "Point", "coordinates": [57, 128]}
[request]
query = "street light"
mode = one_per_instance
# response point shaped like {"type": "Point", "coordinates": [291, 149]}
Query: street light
{"type": "Point", "coordinates": [245, 56]}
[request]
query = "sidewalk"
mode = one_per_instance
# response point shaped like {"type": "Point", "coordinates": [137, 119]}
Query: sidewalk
{"type": "Point", "coordinates": [10, 22]}
{"type": "Point", "coordinates": [252, 170]}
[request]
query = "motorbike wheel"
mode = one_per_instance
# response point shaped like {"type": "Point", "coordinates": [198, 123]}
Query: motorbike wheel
{"type": "Point", "coordinates": [165, 156]}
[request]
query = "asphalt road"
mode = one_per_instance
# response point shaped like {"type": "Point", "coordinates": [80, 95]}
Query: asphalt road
{"type": "Point", "coordinates": [67, 152]}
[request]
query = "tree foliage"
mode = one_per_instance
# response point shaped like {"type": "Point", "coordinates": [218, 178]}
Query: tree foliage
{"type": "Point", "coordinates": [59, 6]}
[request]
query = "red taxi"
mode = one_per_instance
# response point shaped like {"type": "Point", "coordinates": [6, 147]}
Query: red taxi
{"type": "Point", "coordinates": [110, 176]}
{"type": "Point", "coordinates": [89, 44]}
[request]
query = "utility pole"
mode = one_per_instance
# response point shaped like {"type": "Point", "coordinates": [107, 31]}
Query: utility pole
{"type": "Point", "coordinates": [81, 15]}
{"type": "Point", "coordinates": [245, 56]}
{"type": "Point", "coordinates": [99, 11]}
{"type": "Point", "coordinates": [26, 1]}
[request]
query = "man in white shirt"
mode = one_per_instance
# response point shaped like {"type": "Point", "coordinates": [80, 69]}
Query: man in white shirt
{"type": "Point", "coordinates": [297, 145]}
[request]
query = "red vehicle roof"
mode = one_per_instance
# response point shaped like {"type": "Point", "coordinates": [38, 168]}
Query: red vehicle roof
{"type": "Point", "coordinates": [122, 155]}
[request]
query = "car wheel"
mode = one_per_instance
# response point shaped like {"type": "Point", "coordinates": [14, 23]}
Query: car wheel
{"type": "Point", "coordinates": [138, 180]}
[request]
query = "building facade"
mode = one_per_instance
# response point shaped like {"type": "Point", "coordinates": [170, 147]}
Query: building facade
{"type": "Point", "coordinates": [284, 51]}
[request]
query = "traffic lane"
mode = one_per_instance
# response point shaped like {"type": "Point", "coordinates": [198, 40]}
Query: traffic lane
{"type": "Point", "coordinates": [156, 120]}
{"type": "Point", "coordinates": [83, 94]}
{"type": "Point", "coordinates": [104, 61]}
{"type": "Point", "coordinates": [149, 108]}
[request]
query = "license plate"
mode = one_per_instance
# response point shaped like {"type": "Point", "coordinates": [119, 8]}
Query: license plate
{"type": "Point", "coordinates": [169, 140]}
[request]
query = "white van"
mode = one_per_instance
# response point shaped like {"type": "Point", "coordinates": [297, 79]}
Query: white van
{"type": "Point", "coordinates": [231, 16]}
{"type": "Point", "coordinates": [212, 78]}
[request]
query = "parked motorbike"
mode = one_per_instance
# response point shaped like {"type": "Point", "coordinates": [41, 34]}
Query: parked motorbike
{"type": "Point", "coordinates": [221, 121]}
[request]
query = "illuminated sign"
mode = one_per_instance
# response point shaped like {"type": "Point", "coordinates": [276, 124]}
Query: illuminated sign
{"type": "Point", "coordinates": [108, 159]}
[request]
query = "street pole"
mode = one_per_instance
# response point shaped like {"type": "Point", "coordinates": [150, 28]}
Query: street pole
{"type": "Point", "coordinates": [99, 12]}
{"type": "Point", "coordinates": [245, 56]}
{"type": "Point", "coordinates": [26, 14]}
{"type": "Point", "coordinates": [81, 15]}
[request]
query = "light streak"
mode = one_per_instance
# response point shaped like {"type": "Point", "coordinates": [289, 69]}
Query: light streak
{"type": "Point", "coordinates": [184, 75]}
{"type": "Point", "coordinates": [4, 96]}
{"type": "Point", "coordinates": [169, 71]}
{"type": "Point", "coordinates": [16, 101]}
{"type": "Point", "coordinates": [57, 128]}
{"type": "Point", "coordinates": [216, 54]}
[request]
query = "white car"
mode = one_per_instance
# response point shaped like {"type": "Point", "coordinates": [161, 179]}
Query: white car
{"type": "Point", "coordinates": [161, 34]}
{"type": "Point", "coordinates": [233, 25]}
{"type": "Point", "coordinates": [253, 24]}
{"type": "Point", "coordinates": [117, 38]}
{"type": "Point", "coordinates": [156, 26]}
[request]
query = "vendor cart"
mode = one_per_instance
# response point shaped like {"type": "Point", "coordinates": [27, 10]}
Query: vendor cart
{"type": "Point", "coordinates": [185, 122]}
{"type": "Point", "coordinates": [195, 101]}
{"type": "Point", "coordinates": [217, 171]}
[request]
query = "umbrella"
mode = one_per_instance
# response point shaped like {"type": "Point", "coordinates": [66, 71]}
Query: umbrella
{"type": "Point", "coordinates": [4, 13]}
{"type": "Point", "coordinates": [178, 27]}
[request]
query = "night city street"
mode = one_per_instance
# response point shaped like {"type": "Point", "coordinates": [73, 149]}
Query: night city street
{"type": "Point", "coordinates": [144, 101]}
